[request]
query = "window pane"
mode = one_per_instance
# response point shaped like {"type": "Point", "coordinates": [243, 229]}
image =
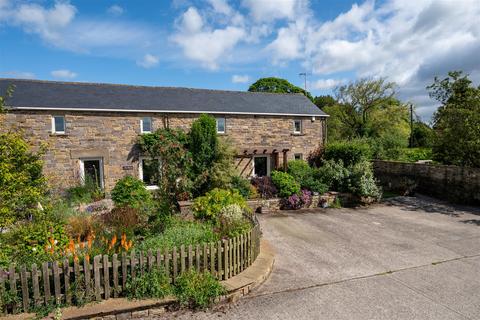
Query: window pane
{"type": "Point", "coordinates": [150, 171]}
{"type": "Point", "coordinates": [147, 124]}
{"type": "Point", "coordinates": [298, 125]}
{"type": "Point", "coordinates": [298, 156]}
{"type": "Point", "coordinates": [59, 124]}
{"type": "Point", "coordinates": [220, 124]}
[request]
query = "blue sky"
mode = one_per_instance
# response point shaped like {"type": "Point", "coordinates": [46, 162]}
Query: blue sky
{"type": "Point", "coordinates": [222, 44]}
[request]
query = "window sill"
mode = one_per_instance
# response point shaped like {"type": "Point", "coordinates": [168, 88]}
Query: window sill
{"type": "Point", "coordinates": [58, 134]}
{"type": "Point", "coordinates": [151, 187]}
{"type": "Point", "coordinates": [222, 134]}
{"type": "Point", "coordinates": [298, 134]}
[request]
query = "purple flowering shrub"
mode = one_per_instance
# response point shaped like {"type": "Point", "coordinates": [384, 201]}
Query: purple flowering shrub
{"type": "Point", "coordinates": [297, 201]}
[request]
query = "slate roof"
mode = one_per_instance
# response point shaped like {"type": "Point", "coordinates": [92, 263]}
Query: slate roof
{"type": "Point", "coordinates": [50, 95]}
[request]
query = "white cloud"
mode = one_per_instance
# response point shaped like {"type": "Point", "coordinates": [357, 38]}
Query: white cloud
{"type": "Point", "coordinates": [191, 20]}
{"type": "Point", "coordinates": [148, 61]}
{"type": "Point", "coordinates": [322, 84]}
{"type": "Point", "coordinates": [60, 27]}
{"type": "Point", "coordinates": [407, 42]}
{"type": "Point", "coordinates": [45, 22]}
{"type": "Point", "coordinates": [63, 74]}
{"type": "Point", "coordinates": [18, 74]}
{"type": "Point", "coordinates": [267, 10]}
{"type": "Point", "coordinates": [115, 10]}
{"type": "Point", "coordinates": [205, 44]}
{"type": "Point", "coordinates": [236, 78]}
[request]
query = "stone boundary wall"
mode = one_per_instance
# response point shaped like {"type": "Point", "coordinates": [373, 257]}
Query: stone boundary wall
{"type": "Point", "coordinates": [453, 183]}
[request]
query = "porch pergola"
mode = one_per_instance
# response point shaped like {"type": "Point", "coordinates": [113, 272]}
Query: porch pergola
{"type": "Point", "coordinates": [247, 155]}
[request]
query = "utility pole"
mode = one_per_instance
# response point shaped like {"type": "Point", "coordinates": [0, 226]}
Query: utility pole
{"type": "Point", "coordinates": [304, 74]}
{"type": "Point", "coordinates": [411, 125]}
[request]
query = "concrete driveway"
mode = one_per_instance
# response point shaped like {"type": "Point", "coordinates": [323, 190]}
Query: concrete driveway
{"type": "Point", "coordinates": [408, 258]}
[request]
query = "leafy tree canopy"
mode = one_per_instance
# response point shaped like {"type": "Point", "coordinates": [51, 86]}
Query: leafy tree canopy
{"type": "Point", "coordinates": [368, 109]}
{"type": "Point", "coordinates": [277, 85]}
{"type": "Point", "coordinates": [457, 120]}
{"type": "Point", "coordinates": [422, 135]}
{"type": "Point", "coordinates": [325, 101]}
{"type": "Point", "coordinates": [22, 184]}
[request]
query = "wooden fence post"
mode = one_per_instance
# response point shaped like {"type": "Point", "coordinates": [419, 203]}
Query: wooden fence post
{"type": "Point", "coordinates": [24, 283]}
{"type": "Point", "coordinates": [106, 278]}
{"type": "Point", "coordinates": [13, 285]}
{"type": "Point", "coordinates": [56, 282]}
{"type": "Point", "coordinates": [35, 285]}
{"type": "Point", "coordinates": [116, 288]}
{"type": "Point", "coordinates": [96, 277]}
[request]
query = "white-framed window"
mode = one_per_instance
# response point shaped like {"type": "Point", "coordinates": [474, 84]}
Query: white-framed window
{"type": "Point", "coordinates": [91, 171]}
{"type": "Point", "coordinates": [261, 165]}
{"type": "Point", "coordinates": [297, 126]}
{"type": "Point", "coordinates": [148, 172]}
{"type": "Point", "coordinates": [146, 125]}
{"type": "Point", "coordinates": [58, 124]}
{"type": "Point", "coordinates": [298, 156]}
{"type": "Point", "coordinates": [221, 125]}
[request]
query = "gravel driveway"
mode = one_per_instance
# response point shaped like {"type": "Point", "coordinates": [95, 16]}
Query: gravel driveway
{"type": "Point", "coordinates": [407, 258]}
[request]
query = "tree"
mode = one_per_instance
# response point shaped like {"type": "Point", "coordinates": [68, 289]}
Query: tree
{"type": "Point", "coordinates": [457, 120]}
{"type": "Point", "coordinates": [22, 184]}
{"type": "Point", "coordinates": [422, 135]}
{"type": "Point", "coordinates": [203, 144]}
{"type": "Point", "coordinates": [173, 175]}
{"type": "Point", "coordinates": [360, 99]}
{"type": "Point", "coordinates": [8, 94]}
{"type": "Point", "coordinates": [325, 101]}
{"type": "Point", "coordinates": [277, 85]}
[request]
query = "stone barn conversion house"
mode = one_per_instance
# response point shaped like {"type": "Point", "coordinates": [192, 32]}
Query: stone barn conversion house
{"type": "Point", "coordinates": [90, 129]}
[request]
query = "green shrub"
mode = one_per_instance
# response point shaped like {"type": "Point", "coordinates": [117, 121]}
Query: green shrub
{"type": "Point", "coordinates": [31, 242]}
{"type": "Point", "coordinates": [85, 193]}
{"type": "Point", "coordinates": [232, 222]}
{"type": "Point", "coordinates": [203, 144]}
{"type": "Point", "coordinates": [333, 174]}
{"type": "Point", "coordinates": [299, 169]}
{"type": "Point", "coordinates": [209, 206]}
{"type": "Point", "coordinates": [285, 184]}
{"type": "Point", "coordinates": [79, 194]}
{"type": "Point", "coordinates": [350, 152]}
{"type": "Point", "coordinates": [306, 176]}
{"type": "Point", "coordinates": [179, 233]}
{"type": "Point", "coordinates": [314, 184]}
{"type": "Point", "coordinates": [361, 181]}
{"type": "Point", "coordinates": [232, 212]}
{"type": "Point", "coordinates": [242, 185]}
{"type": "Point", "coordinates": [151, 284]}
{"type": "Point", "coordinates": [131, 192]}
{"type": "Point", "coordinates": [197, 290]}
{"type": "Point", "coordinates": [22, 184]}
{"type": "Point", "coordinates": [414, 154]}
{"type": "Point", "coordinates": [230, 228]}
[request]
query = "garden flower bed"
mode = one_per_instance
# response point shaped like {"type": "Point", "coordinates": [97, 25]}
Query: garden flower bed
{"type": "Point", "coordinates": [68, 282]}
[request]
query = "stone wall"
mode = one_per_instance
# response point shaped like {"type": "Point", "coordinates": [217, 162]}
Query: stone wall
{"type": "Point", "coordinates": [111, 136]}
{"type": "Point", "coordinates": [456, 184]}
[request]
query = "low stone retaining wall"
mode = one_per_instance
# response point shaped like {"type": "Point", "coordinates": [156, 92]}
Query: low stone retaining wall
{"type": "Point", "coordinates": [274, 204]}
{"type": "Point", "coordinates": [453, 183]}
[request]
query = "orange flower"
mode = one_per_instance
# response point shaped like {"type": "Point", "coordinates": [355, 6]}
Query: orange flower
{"type": "Point", "coordinates": [89, 241]}
{"type": "Point", "coordinates": [71, 246]}
{"type": "Point", "coordinates": [87, 258]}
